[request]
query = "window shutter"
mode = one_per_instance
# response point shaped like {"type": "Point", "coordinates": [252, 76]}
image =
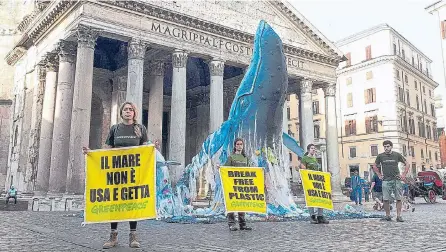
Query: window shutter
{"type": "Point", "coordinates": [367, 125]}
{"type": "Point", "coordinates": [374, 95]}
{"type": "Point", "coordinates": [349, 59]}
{"type": "Point", "coordinates": [366, 97]}
{"type": "Point", "coordinates": [375, 124]}
{"type": "Point", "coordinates": [443, 31]}
{"type": "Point", "coordinates": [354, 127]}
{"type": "Point", "coordinates": [347, 132]}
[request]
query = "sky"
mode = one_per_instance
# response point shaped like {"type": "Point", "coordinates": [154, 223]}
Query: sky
{"type": "Point", "coordinates": [337, 19]}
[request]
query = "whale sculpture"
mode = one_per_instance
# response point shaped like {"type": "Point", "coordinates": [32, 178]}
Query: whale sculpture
{"type": "Point", "coordinates": [256, 116]}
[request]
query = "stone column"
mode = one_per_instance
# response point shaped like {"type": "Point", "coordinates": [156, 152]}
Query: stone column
{"type": "Point", "coordinates": [323, 150]}
{"type": "Point", "coordinates": [135, 85]}
{"type": "Point", "coordinates": [216, 69]}
{"type": "Point", "coordinates": [156, 86]}
{"type": "Point", "coordinates": [62, 118]}
{"type": "Point", "coordinates": [81, 112]}
{"type": "Point", "coordinates": [286, 152]}
{"type": "Point", "coordinates": [118, 97]}
{"type": "Point", "coordinates": [331, 134]}
{"type": "Point", "coordinates": [177, 130]}
{"type": "Point", "coordinates": [36, 122]}
{"type": "Point", "coordinates": [46, 129]}
{"type": "Point", "coordinates": [306, 113]}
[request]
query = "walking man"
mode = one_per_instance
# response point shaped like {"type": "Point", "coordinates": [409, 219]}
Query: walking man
{"type": "Point", "coordinates": [391, 177]}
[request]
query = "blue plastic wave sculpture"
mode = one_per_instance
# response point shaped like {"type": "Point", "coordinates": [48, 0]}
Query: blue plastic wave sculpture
{"type": "Point", "coordinates": [256, 116]}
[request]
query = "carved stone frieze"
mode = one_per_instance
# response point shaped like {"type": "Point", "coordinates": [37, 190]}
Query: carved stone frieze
{"type": "Point", "coordinates": [86, 36]}
{"type": "Point", "coordinates": [156, 68]}
{"type": "Point", "coordinates": [67, 51]}
{"type": "Point", "coordinates": [179, 58]}
{"type": "Point", "coordinates": [330, 90]}
{"type": "Point", "coordinates": [216, 67]}
{"type": "Point", "coordinates": [136, 49]}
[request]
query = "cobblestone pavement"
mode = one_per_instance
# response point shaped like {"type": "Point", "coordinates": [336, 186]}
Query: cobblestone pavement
{"type": "Point", "coordinates": [52, 231]}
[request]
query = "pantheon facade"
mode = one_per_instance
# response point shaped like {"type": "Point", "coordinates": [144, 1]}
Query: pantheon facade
{"type": "Point", "coordinates": [180, 61]}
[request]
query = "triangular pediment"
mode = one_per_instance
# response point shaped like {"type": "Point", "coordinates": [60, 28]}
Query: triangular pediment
{"type": "Point", "coordinates": [244, 16]}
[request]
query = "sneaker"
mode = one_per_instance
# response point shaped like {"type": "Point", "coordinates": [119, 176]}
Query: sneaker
{"type": "Point", "coordinates": [386, 218]}
{"type": "Point", "coordinates": [232, 228]}
{"type": "Point", "coordinates": [399, 219]}
{"type": "Point", "coordinates": [313, 219]}
{"type": "Point", "coordinates": [322, 220]}
{"type": "Point", "coordinates": [112, 242]}
{"type": "Point", "coordinates": [133, 241]}
{"type": "Point", "coordinates": [244, 227]}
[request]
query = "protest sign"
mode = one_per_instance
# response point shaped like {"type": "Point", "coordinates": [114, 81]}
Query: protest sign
{"type": "Point", "coordinates": [317, 188]}
{"type": "Point", "coordinates": [243, 189]}
{"type": "Point", "coordinates": [120, 184]}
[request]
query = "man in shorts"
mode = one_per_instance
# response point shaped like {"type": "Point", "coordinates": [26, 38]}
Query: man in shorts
{"type": "Point", "coordinates": [391, 177]}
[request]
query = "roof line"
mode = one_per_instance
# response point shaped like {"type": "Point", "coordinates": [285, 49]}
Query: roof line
{"type": "Point", "coordinates": [375, 29]}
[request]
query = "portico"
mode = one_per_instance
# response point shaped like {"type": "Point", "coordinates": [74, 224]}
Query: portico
{"type": "Point", "coordinates": [181, 71]}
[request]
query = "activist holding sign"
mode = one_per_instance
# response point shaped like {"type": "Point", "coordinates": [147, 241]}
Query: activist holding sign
{"type": "Point", "coordinates": [237, 159]}
{"type": "Point", "coordinates": [310, 162]}
{"type": "Point", "coordinates": [126, 134]}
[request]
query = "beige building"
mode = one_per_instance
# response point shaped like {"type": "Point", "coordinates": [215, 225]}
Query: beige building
{"type": "Point", "coordinates": [386, 92]}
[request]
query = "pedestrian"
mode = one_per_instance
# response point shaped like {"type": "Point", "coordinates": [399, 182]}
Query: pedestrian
{"type": "Point", "coordinates": [238, 159]}
{"type": "Point", "coordinates": [125, 134]}
{"type": "Point", "coordinates": [357, 188]}
{"type": "Point", "coordinates": [310, 162]}
{"type": "Point", "coordinates": [391, 177]}
{"type": "Point", "coordinates": [12, 193]}
{"type": "Point", "coordinates": [366, 187]}
{"type": "Point", "coordinates": [377, 192]}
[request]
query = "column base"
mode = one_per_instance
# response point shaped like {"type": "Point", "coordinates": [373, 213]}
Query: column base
{"type": "Point", "coordinates": [57, 202]}
{"type": "Point", "coordinates": [39, 194]}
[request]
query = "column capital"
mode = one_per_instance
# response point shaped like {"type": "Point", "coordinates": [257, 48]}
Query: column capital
{"type": "Point", "coordinates": [330, 90]}
{"type": "Point", "coordinates": [216, 67]}
{"type": "Point", "coordinates": [179, 58]}
{"type": "Point", "coordinates": [86, 36]}
{"type": "Point", "coordinates": [136, 49]}
{"type": "Point", "coordinates": [51, 62]}
{"type": "Point", "coordinates": [67, 51]}
{"type": "Point", "coordinates": [306, 86]}
{"type": "Point", "coordinates": [41, 70]}
{"type": "Point", "coordinates": [156, 68]}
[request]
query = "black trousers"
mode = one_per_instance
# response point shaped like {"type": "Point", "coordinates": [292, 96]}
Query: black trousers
{"type": "Point", "coordinates": [241, 219]}
{"type": "Point", "coordinates": [14, 197]}
{"type": "Point", "coordinates": [114, 225]}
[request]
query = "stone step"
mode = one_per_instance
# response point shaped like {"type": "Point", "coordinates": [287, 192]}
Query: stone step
{"type": "Point", "coordinates": [22, 205]}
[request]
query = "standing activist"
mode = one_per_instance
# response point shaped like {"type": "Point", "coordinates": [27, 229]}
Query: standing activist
{"type": "Point", "coordinates": [128, 133]}
{"type": "Point", "coordinates": [237, 159]}
{"type": "Point", "coordinates": [391, 178]}
{"type": "Point", "coordinates": [310, 162]}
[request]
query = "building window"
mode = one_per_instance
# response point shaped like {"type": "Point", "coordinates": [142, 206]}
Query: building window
{"type": "Point", "coordinates": [403, 123]}
{"type": "Point", "coordinates": [349, 80]}
{"type": "Point", "coordinates": [406, 79]}
{"type": "Point", "coordinates": [412, 151]}
{"type": "Point", "coordinates": [418, 102]}
{"type": "Point", "coordinates": [315, 107]}
{"type": "Point", "coordinates": [407, 97]}
{"type": "Point", "coordinates": [352, 152]}
{"type": "Point", "coordinates": [349, 100]}
{"type": "Point", "coordinates": [443, 29]}
{"type": "Point", "coordinates": [421, 66]}
{"type": "Point", "coordinates": [416, 85]}
{"type": "Point", "coordinates": [368, 52]}
{"type": "Point", "coordinates": [369, 75]}
{"type": "Point", "coordinates": [436, 156]}
{"type": "Point", "coordinates": [288, 113]}
{"type": "Point", "coordinates": [435, 132]}
{"type": "Point", "coordinates": [404, 150]}
{"type": "Point", "coordinates": [428, 131]}
{"type": "Point", "coordinates": [422, 153]}
{"type": "Point", "coordinates": [397, 73]}
{"type": "Point", "coordinates": [430, 93]}
{"type": "Point", "coordinates": [430, 155]}
{"type": "Point", "coordinates": [401, 94]}
{"type": "Point", "coordinates": [317, 131]}
{"type": "Point", "coordinates": [394, 48]}
{"type": "Point", "coordinates": [370, 95]}
{"type": "Point", "coordinates": [374, 150]}
{"type": "Point", "coordinates": [371, 124]}
{"type": "Point", "coordinates": [424, 89]}
{"type": "Point", "coordinates": [425, 107]}
{"type": "Point", "coordinates": [350, 127]}
{"type": "Point", "coordinates": [413, 61]}
{"type": "Point", "coordinates": [403, 54]}
{"type": "Point", "coordinates": [291, 157]}
{"type": "Point", "coordinates": [349, 59]}
{"type": "Point", "coordinates": [411, 126]}
{"type": "Point", "coordinates": [433, 110]}
{"type": "Point", "coordinates": [421, 129]}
